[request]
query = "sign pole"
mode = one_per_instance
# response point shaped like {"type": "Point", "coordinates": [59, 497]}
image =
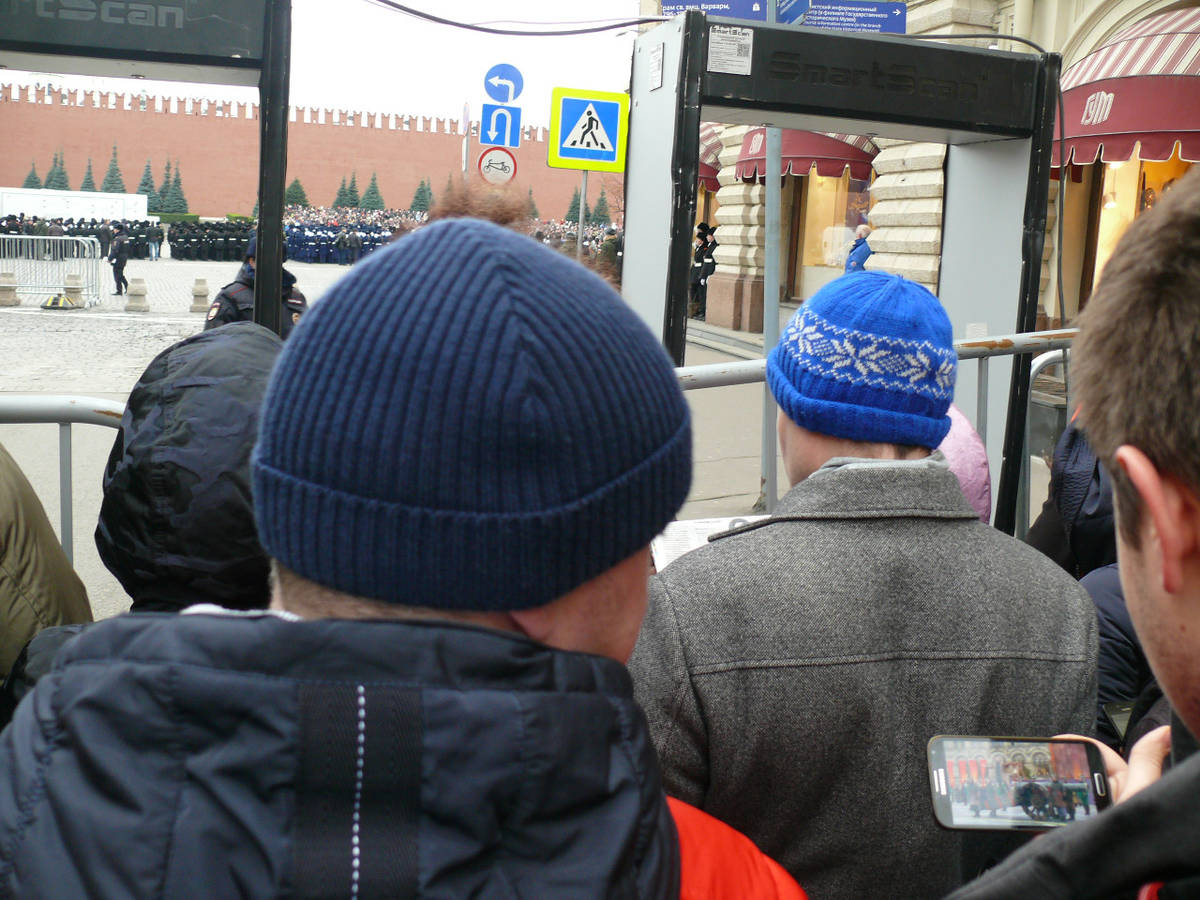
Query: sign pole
{"type": "Point", "coordinates": [771, 279]}
{"type": "Point", "coordinates": [273, 120]}
{"type": "Point", "coordinates": [582, 213]}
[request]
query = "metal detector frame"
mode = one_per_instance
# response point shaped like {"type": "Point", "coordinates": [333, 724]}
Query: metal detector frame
{"type": "Point", "coordinates": [816, 80]}
{"type": "Point", "coordinates": [207, 41]}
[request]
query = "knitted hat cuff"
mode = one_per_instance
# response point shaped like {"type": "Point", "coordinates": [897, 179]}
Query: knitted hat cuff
{"type": "Point", "coordinates": [872, 424]}
{"type": "Point", "coordinates": [404, 554]}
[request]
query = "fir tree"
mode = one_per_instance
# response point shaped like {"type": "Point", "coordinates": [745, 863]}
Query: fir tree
{"type": "Point", "coordinates": [51, 174]}
{"type": "Point", "coordinates": [340, 199]}
{"type": "Point", "coordinates": [56, 178]}
{"type": "Point", "coordinates": [89, 183]}
{"type": "Point", "coordinates": [429, 194]}
{"type": "Point", "coordinates": [153, 202]}
{"type": "Point", "coordinates": [62, 173]}
{"type": "Point", "coordinates": [164, 186]}
{"type": "Point", "coordinates": [573, 209]}
{"type": "Point", "coordinates": [371, 198]}
{"type": "Point", "coordinates": [420, 200]}
{"type": "Point", "coordinates": [178, 200]}
{"type": "Point", "coordinates": [174, 201]}
{"type": "Point", "coordinates": [294, 196]}
{"type": "Point", "coordinates": [113, 182]}
{"type": "Point", "coordinates": [533, 210]}
{"type": "Point", "coordinates": [31, 180]}
{"type": "Point", "coordinates": [599, 215]}
{"type": "Point", "coordinates": [352, 198]}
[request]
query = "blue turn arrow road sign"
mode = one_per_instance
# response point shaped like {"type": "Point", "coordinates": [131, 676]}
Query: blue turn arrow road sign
{"type": "Point", "coordinates": [846, 15]}
{"type": "Point", "coordinates": [500, 126]}
{"type": "Point", "coordinates": [503, 83]}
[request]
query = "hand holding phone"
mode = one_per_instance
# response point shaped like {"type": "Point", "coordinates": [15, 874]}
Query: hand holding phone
{"type": "Point", "coordinates": [1145, 765]}
{"type": "Point", "coordinates": [1008, 783]}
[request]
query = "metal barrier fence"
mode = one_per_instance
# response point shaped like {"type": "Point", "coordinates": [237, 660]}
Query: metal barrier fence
{"type": "Point", "coordinates": [41, 264]}
{"type": "Point", "coordinates": [20, 409]}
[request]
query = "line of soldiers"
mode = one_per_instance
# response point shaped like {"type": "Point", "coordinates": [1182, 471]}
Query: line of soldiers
{"type": "Point", "coordinates": [215, 241]}
{"type": "Point", "coordinates": [316, 243]}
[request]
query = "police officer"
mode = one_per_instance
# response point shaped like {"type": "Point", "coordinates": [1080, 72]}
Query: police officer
{"type": "Point", "coordinates": [235, 302]}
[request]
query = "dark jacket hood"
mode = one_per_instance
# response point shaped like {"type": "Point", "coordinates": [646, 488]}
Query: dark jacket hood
{"type": "Point", "coordinates": [218, 756]}
{"type": "Point", "coordinates": [176, 524]}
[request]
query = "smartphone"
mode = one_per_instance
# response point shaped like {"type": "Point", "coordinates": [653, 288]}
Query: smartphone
{"type": "Point", "coordinates": [1010, 783]}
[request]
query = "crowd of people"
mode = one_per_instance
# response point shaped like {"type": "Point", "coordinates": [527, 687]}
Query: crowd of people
{"type": "Point", "coordinates": [395, 630]}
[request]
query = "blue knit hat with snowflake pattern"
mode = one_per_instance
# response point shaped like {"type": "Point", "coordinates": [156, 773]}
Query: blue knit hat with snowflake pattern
{"type": "Point", "coordinates": [869, 357]}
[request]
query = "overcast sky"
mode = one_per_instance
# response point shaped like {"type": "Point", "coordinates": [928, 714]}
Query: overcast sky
{"type": "Point", "coordinates": [354, 54]}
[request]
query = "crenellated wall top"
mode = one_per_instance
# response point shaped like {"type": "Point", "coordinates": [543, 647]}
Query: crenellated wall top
{"type": "Point", "coordinates": [50, 95]}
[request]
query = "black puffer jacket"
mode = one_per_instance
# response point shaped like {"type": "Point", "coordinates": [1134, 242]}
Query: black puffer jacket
{"type": "Point", "coordinates": [226, 756]}
{"type": "Point", "coordinates": [177, 521]}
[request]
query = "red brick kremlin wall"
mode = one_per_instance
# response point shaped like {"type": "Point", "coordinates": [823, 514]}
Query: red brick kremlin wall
{"type": "Point", "coordinates": [216, 145]}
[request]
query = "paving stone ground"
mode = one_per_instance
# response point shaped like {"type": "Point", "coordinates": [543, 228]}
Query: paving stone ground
{"type": "Point", "coordinates": [101, 352]}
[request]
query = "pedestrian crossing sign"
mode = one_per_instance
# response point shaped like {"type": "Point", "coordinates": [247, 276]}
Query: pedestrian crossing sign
{"type": "Point", "coordinates": [588, 130]}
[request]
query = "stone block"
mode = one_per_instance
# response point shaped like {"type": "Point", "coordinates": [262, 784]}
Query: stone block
{"type": "Point", "coordinates": [907, 240]}
{"type": "Point", "coordinates": [909, 185]}
{"type": "Point", "coordinates": [136, 296]}
{"type": "Point", "coordinates": [8, 289]}
{"type": "Point", "coordinates": [887, 213]}
{"type": "Point", "coordinates": [741, 192]}
{"type": "Point", "coordinates": [73, 289]}
{"type": "Point", "coordinates": [741, 214]}
{"type": "Point", "coordinates": [910, 158]}
{"type": "Point", "coordinates": [199, 296]}
{"type": "Point", "coordinates": [735, 301]}
{"type": "Point", "coordinates": [917, 267]}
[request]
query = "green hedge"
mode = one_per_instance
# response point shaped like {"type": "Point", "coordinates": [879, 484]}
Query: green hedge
{"type": "Point", "coordinates": [172, 218]}
{"type": "Point", "coordinates": [234, 217]}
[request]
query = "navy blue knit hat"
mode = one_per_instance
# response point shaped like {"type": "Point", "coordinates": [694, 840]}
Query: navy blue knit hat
{"type": "Point", "coordinates": [869, 357]}
{"type": "Point", "coordinates": [468, 420]}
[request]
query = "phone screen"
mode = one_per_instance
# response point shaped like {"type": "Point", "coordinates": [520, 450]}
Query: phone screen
{"type": "Point", "coordinates": [1003, 783]}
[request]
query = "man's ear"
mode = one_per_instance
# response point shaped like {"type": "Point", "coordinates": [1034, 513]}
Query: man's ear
{"type": "Point", "coordinates": [1173, 511]}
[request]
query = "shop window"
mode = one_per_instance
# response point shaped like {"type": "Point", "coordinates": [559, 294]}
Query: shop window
{"type": "Point", "coordinates": [824, 213]}
{"type": "Point", "coordinates": [1127, 190]}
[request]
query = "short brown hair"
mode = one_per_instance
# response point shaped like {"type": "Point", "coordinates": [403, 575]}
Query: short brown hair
{"type": "Point", "coordinates": [1138, 352]}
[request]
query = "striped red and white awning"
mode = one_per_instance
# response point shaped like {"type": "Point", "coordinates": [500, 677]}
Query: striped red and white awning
{"type": "Point", "coordinates": [1139, 91]}
{"type": "Point", "coordinates": [710, 151]}
{"type": "Point", "coordinates": [829, 152]}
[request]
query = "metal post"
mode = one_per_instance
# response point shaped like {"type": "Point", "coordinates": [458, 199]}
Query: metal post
{"type": "Point", "coordinates": [774, 164]}
{"type": "Point", "coordinates": [64, 490]}
{"type": "Point", "coordinates": [582, 209]}
{"type": "Point", "coordinates": [981, 400]}
{"type": "Point", "coordinates": [771, 284]}
{"type": "Point", "coordinates": [273, 87]}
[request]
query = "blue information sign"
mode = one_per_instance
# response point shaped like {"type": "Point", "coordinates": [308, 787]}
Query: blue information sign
{"type": "Point", "coordinates": [846, 15]}
{"type": "Point", "coordinates": [503, 83]}
{"type": "Point", "coordinates": [836, 15]}
{"type": "Point", "coordinates": [734, 9]}
{"type": "Point", "coordinates": [500, 126]}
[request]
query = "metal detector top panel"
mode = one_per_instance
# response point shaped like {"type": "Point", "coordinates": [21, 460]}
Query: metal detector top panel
{"type": "Point", "coordinates": [923, 91]}
{"type": "Point", "coordinates": [219, 41]}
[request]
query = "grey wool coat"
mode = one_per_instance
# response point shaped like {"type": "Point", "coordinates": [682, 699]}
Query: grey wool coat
{"type": "Point", "coordinates": [793, 670]}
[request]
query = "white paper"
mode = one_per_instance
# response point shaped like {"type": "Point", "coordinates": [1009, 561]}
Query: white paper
{"type": "Point", "coordinates": [656, 67]}
{"type": "Point", "coordinates": [681, 536]}
{"type": "Point", "coordinates": [730, 49]}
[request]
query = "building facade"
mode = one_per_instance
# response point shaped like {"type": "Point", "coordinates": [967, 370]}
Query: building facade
{"type": "Point", "coordinates": [1131, 84]}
